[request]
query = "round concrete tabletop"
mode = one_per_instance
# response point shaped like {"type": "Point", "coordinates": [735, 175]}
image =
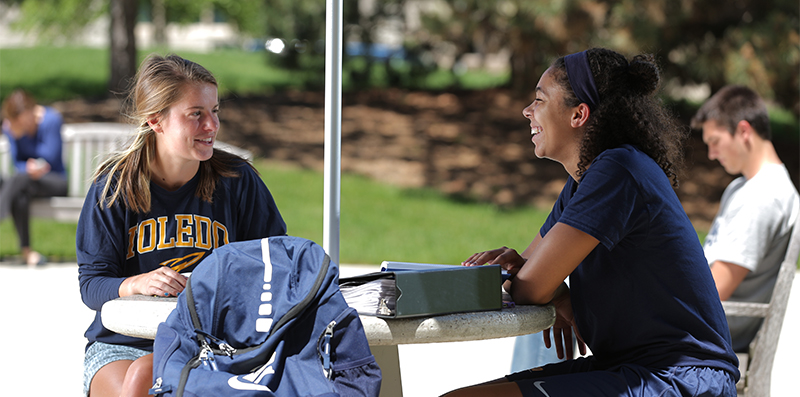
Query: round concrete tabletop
{"type": "Point", "coordinates": [140, 315]}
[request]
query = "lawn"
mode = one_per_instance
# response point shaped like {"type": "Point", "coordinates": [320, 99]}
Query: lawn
{"type": "Point", "coordinates": [378, 222]}
{"type": "Point", "coordinates": [84, 72]}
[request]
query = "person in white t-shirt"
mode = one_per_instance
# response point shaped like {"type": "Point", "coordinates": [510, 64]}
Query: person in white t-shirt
{"type": "Point", "coordinates": [750, 233]}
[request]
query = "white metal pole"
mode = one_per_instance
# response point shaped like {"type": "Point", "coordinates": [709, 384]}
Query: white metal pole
{"type": "Point", "coordinates": [333, 128]}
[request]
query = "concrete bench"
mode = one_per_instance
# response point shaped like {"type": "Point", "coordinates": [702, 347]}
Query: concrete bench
{"type": "Point", "coordinates": [85, 145]}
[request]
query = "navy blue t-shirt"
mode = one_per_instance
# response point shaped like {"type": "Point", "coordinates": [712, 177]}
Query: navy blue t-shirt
{"type": "Point", "coordinates": [179, 231]}
{"type": "Point", "coordinates": [645, 294]}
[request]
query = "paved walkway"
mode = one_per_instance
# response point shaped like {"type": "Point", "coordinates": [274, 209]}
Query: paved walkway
{"type": "Point", "coordinates": [43, 320]}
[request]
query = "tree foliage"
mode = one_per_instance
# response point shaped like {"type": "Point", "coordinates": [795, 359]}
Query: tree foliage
{"type": "Point", "coordinates": [750, 42]}
{"type": "Point", "coordinates": [57, 20]}
{"type": "Point", "coordinates": [718, 42]}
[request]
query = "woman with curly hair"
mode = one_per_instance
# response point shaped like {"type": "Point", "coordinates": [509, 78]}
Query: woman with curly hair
{"type": "Point", "coordinates": [640, 293]}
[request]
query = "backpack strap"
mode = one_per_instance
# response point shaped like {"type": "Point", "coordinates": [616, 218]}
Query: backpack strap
{"type": "Point", "coordinates": [296, 310]}
{"type": "Point", "coordinates": [193, 311]}
{"type": "Point", "coordinates": [256, 361]}
{"type": "Point", "coordinates": [195, 361]}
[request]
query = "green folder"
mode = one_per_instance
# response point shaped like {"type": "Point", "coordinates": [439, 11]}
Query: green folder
{"type": "Point", "coordinates": [409, 293]}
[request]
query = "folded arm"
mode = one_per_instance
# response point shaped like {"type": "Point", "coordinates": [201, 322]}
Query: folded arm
{"type": "Point", "coordinates": [555, 256]}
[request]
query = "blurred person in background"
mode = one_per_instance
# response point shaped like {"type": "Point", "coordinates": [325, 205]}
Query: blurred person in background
{"type": "Point", "coordinates": [34, 135]}
{"type": "Point", "coordinates": [748, 239]}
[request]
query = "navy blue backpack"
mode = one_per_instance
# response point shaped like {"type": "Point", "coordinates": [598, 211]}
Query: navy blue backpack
{"type": "Point", "coordinates": [264, 318]}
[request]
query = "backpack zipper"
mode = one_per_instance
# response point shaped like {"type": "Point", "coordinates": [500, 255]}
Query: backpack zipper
{"type": "Point", "coordinates": [325, 349]}
{"type": "Point", "coordinates": [222, 346]}
{"type": "Point", "coordinates": [158, 387]}
{"type": "Point", "coordinates": [206, 356]}
{"type": "Point", "coordinates": [227, 349]}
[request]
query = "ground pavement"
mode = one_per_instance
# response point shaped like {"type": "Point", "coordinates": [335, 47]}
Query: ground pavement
{"type": "Point", "coordinates": [43, 320]}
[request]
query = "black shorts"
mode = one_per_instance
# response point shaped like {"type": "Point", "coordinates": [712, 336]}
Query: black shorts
{"type": "Point", "coordinates": [576, 378]}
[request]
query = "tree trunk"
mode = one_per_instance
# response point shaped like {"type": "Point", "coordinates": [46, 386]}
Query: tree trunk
{"type": "Point", "coordinates": [159, 23]}
{"type": "Point", "coordinates": [123, 44]}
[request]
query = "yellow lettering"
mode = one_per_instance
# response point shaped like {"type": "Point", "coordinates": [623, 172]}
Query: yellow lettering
{"type": "Point", "coordinates": [131, 242]}
{"type": "Point", "coordinates": [220, 234]}
{"type": "Point", "coordinates": [184, 231]}
{"type": "Point", "coordinates": [203, 232]}
{"type": "Point", "coordinates": [191, 231]}
{"type": "Point", "coordinates": [147, 229]}
{"type": "Point", "coordinates": [162, 240]}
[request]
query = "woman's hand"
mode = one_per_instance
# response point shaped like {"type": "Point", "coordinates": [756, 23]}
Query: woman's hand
{"type": "Point", "coordinates": [160, 282]}
{"type": "Point", "coordinates": [564, 326]}
{"type": "Point", "coordinates": [507, 258]}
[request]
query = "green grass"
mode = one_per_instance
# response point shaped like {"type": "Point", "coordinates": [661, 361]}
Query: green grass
{"type": "Point", "coordinates": [59, 73]}
{"type": "Point", "coordinates": [54, 73]}
{"type": "Point", "coordinates": [244, 73]}
{"type": "Point", "coordinates": [381, 222]}
{"type": "Point", "coordinates": [378, 222]}
{"type": "Point", "coordinates": [54, 239]}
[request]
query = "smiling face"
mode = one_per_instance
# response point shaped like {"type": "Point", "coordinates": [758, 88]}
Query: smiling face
{"type": "Point", "coordinates": [727, 148]}
{"type": "Point", "coordinates": [552, 131]}
{"type": "Point", "coordinates": [185, 133]}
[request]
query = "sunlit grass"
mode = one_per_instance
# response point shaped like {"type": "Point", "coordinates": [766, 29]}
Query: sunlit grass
{"type": "Point", "coordinates": [382, 222]}
{"type": "Point", "coordinates": [59, 73]}
{"type": "Point", "coordinates": [378, 222]}
{"type": "Point", "coordinates": [54, 73]}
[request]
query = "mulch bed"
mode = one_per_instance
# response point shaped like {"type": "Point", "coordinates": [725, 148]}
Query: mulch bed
{"type": "Point", "coordinates": [473, 145]}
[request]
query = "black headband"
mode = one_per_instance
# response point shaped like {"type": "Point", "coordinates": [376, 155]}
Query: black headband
{"type": "Point", "coordinates": [581, 79]}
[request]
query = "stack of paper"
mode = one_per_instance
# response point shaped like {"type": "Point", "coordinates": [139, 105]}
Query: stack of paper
{"type": "Point", "coordinates": [371, 297]}
{"type": "Point", "coordinates": [409, 289]}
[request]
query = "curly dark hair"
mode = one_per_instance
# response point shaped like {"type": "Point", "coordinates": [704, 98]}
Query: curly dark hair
{"type": "Point", "coordinates": [628, 112]}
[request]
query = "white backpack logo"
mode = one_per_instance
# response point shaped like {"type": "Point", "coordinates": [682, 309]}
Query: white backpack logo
{"type": "Point", "coordinates": [251, 381]}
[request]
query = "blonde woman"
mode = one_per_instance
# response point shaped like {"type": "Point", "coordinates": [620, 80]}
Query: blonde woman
{"type": "Point", "coordinates": [158, 208]}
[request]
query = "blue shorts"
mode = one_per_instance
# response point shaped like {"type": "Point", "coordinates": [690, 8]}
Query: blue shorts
{"type": "Point", "coordinates": [575, 378]}
{"type": "Point", "coordinates": [99, 354]}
